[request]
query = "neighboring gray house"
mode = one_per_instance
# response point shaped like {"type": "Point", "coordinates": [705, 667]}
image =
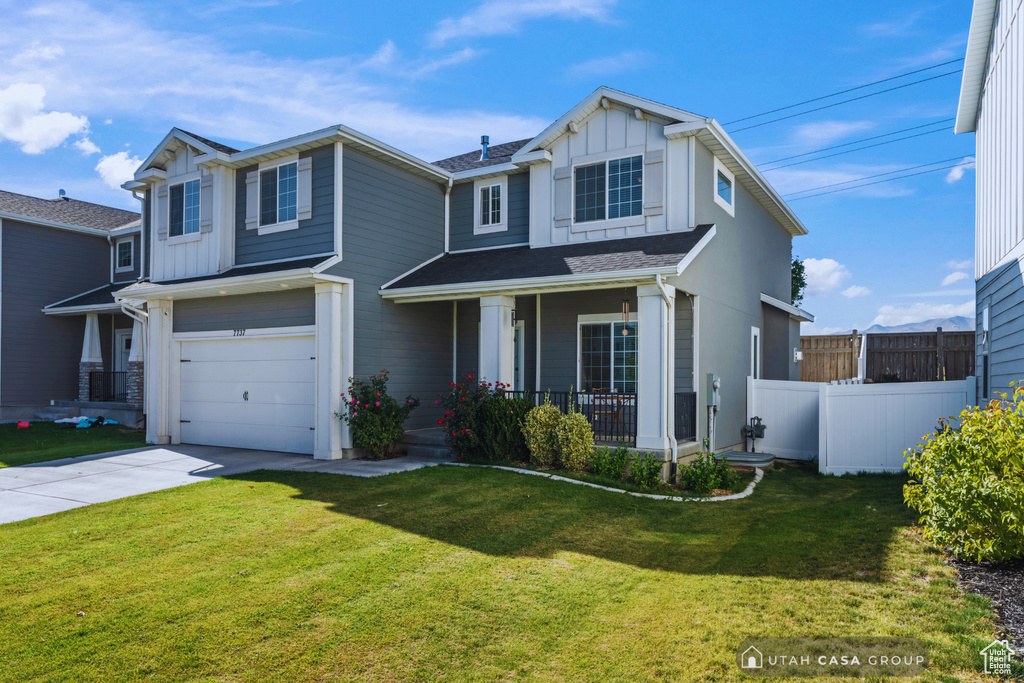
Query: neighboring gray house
{"type": "Point", "coordinates": [52, 250]}
{"type": "Point", "coordinates": [625, 252]}
{"type": "Point", "coordinates": [992, 106]}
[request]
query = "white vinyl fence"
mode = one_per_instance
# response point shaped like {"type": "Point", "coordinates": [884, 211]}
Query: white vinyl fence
{"type": "Point", "coordinates": [852, 427]}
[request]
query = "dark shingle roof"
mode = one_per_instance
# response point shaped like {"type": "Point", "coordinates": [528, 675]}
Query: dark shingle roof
{"type": "Point", "coordinates": [308, 262]}
{"type": "Point", "coordinates": [513, 263]}
{"type": "Point", "coordinates": [207, 141]}
{"type": "Point", "coordinates": [498, 154]}
{"type": "Point", "coordinates": [68, 211]}
{"type": "Point", "coordinates": [103, 295]}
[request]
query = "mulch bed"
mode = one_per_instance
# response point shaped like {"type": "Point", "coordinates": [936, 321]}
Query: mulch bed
{"type": "Point", "coordinates": [1004, 584]}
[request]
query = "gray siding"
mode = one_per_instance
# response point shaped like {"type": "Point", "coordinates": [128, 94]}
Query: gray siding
{"type": "Point", "coordinates": [467, 355]}
{"type": "Point", "coordinates": [777, 356]}
{"type": "Point", "coordinates": [749, 255]}
{"type": "Point", "coordinates": [684, 343]}
{"type": "Point", "coordinates": [137, 257]}
{"type": "Point", "coordinates": [1003, 292]}
{"type": "Point", "coordinates": [245, 311]}
{"type": "Point", "coordinates": [462, 217]}
{"type": "Point", "coordinates": [393, 221]}
{"type": "Point", "coordinates": [315, 236]}
{"type": "Point", "coordinates": [39, 354]}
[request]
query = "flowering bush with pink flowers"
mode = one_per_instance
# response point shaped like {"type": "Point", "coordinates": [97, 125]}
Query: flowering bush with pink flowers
{"type": "Point", "coordinates": [374, 416]}
{"type": "Point", "coordinates": [481, 423]}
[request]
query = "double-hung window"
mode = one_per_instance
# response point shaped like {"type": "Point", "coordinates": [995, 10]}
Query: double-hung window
{"type": "Point", "coordinates": [123, 255]}
{"type": "Point", "coordinates": [608, 358]}
{"type": "Point", "coordinates": [184, 209]}
{"type": "Point", "coordinates": [279, 194]}
{"type": "Point", "coordinates": [609, 189]}
{"type": "Point", "coordinates": [490, 205]}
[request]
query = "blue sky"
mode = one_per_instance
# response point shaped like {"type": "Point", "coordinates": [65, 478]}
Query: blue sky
{"type": "Point", "coordinates": [88, 89]}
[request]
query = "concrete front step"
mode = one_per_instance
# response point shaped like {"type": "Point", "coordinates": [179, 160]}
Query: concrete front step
{"type": "Point", "coordinates": [436, 452]}
{"type": "Point", "coordinates": [762, 460]}
{"type": "Point", "coordinates": [424, 437]}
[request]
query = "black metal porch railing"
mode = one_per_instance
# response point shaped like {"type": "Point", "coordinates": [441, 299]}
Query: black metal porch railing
{"type": "Point", "coordinates": [612, 415]}
{"type": "Point", "coordinates": [686, 416]}
{"type": "Point", "coordinates": [107, 385]}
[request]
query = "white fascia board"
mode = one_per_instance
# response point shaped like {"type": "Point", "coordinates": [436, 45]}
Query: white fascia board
{"type": "Point", "coordinates": [175, 133]}
{"type": "Point", "coordinates": [409, 272]}
{"type": "Point", "coordinates": [94, 289]}
{"type": "Point", "coordinates": [146, 177]}
{"type": "Point", "coordinates": [80, 310]}
{"type": "Point", "coordinates": [464, 290]}
{"type": "Point", "coordinates": [122, 232]}
{"type": "Point", "coordinates": [538, 156]}
{"type": "Point", "coordinates": [978, 41]}
{"type": "Point", "coordinates": [301, 277]}
{"type": "Point", "coordinates": [684, 130]}
{"type": "Point", "coordinates": [795, 312]}
{"type": "Point", "coordinates": [53, 224]}
{"type": "Point", "coordinates": [485, 172]}
{"type": "Point", "coordinates": [697, 248]}
{"type": "Point", "coordinates": [134, 185]}
{"type": "Point", "coordinates": [714, 129]}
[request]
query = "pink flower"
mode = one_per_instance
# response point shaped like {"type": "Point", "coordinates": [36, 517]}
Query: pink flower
{"type": "Point", "coordinates": [410, 401]}
{"type": "Point", "coordinates": [378, 402]}
{"type": "Point", "coordinates": [378, 393]}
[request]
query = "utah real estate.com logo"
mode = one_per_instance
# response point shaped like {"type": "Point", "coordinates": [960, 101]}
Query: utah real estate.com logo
{"type": "Point", "coordinates": [997, 657]}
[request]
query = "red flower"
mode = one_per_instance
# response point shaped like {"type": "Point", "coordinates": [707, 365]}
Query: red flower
{"type": "Point", "coordinates": [440, 422]}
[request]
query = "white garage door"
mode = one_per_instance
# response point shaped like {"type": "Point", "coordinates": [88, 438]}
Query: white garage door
{"type": "Point", "coordinates": [249, 393]}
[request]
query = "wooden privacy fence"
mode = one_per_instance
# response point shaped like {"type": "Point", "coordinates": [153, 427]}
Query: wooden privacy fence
{"type": "Point", "coordinates": [892, 357]}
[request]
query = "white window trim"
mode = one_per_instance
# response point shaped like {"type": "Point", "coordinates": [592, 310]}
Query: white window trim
{"type": "Point", "coordinates": [598, 319]}
{"type": "Point", "coordinates": [606, 223]}
{"type": "Point", "coordinates": [181, 180]}
{"type": "Point", "coordinates": [501, 226]}
{"type": "Point", "coordinates": [131, 254]}
{"type": "Point", "coordinates": [756, 353]}
{"type": "Point", "coordinates": [730, 207]}
{"type": "Point", "coordinates": [272, 228]}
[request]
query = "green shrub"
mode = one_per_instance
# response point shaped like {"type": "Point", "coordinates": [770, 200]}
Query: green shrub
{"type": "Point", "coordinates": [705, 474]}
{"type": "Point", "coordinates": [575, 440]}
{"type": "Point", "coordinates": [481, 422]}
{"type": "Point", "coordinates": [968, 483]}
{"type": "Point", "coordinates": [645, 470]}
{"type": "Point", "coordinates": [374, 416]}
{"type": "Point", "coordinates": [539, 431]}
{"type": "Point", "coordinates": [610, 463]}
{"type": "Point", "coordinates": [500, 427]}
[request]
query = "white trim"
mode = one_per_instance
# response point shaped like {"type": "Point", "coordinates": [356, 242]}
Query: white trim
{"type": "Point", "coordinates": [537, 385]}
{"type": "Point", "coordinates": [521, 328]}
{"type": "Point", "coordinates": [131, 255]}
{"type": "Point", "coordinates": [501, 183]}
{"type": "Point", "coordinates": [410, 271]}
{"type": "Point", "coordinates": [730, 207]}
{"type": "Point", "coordinates": [201, 289]}
{"type": "Point", "coordinates": [118, 350]}
{"type": "Point", "coordinates": [500, 246]}
{"type": "Point", "coordinates": [697, 248]}
{"type": "Point", "coordinates": [339, 159]}
{"type": "Point", "coordinates": [183, 239]}
{"type": "Point", "coordinates": [455, 341]}
{"type": "Point", "coordinates": [756, 353]}
{"type": "Point", "coordinates": [691, 175]}
{"type": "Point", "coordinates": [605, 223]}
{"type": "Point", "coordinates": [602, 319]}
{"type": "Point", "coordinates": [78, 310]}
{"type": "Point", "coordinates": [277, 225]}
{"type": "Point", "coordinates": [794, 311]}
{"type": "Point", "coordinates": [325, 254]}
{"type": "Point", "coordinates": [979, 42]}
{"type": "Point", "coordinates": [485, 172]}
{"type": "Point", "coordinates": [250, 333]}
{"type": "Point", "coordinates": [183, 179]}
{"type": "Point", "coordinates": [589, 318]}
{"type": "Point", "coordinates": [1, 301]}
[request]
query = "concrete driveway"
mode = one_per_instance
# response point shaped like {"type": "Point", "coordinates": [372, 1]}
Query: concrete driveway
{"type": "Point", "coordinates": [47, 487]}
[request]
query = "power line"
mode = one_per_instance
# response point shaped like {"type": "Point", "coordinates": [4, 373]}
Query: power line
{"type": "Point", "coordinates": [854, 142]}
{"type": "Point", "coordinates": [848, 151]}
{"type": "Point", "coordinates": [886, 180]}
{"type": "Point", "coordinates": [852, 99]}
{"type": "Point", "coordinates": [843, 92]}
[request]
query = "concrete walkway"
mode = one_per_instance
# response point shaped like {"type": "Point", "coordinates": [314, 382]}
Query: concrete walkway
{"type": "Point", "coordinates": [47, 487]}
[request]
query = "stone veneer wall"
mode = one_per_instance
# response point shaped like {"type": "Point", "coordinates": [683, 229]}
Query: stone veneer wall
{"type": "Point", "coordinates": [83, 378]}
{"type": "Point", "coordinates": [135, 382]}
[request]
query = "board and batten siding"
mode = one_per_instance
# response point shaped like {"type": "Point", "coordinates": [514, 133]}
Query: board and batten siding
{"type": "Point", "coordinates": [392, 221]}
{"type": "Point", "coordinates": [313, 236]}
{"type": "Point", "coordinates": [39, 354]}
{"type": "Point", "coordinates": [291, 308]}
{"type": "Point", "coordinates": [684, 343]}
{"type": "Point", "coordinates": [463, 216]}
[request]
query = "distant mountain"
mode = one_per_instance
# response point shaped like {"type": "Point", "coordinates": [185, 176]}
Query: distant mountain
{"type": "Point", "coordinates": [955, 324]}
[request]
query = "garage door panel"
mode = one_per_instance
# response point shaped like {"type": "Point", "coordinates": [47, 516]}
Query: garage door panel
{"type": "Point", "coordinates": [278, 414]}
{"type": "Point", "coordinates": [276, 371]}
{"type": "Point", "coordinates": [258, 437]}
{"type": "Point", "coordinates": [259, 392]}
{"type": "Point", "coordinates": [243, 349]}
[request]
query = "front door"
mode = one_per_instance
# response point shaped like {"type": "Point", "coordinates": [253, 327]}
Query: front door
{"type": "Point", "coordinates": [122, 349]}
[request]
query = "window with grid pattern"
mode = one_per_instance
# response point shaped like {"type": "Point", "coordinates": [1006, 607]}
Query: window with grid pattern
{"type": "Point", "coordinates": [590, 193]}
{"type": "Point", "coordinates": [625, 187]}
{"type": "Point", "coordinates": [184, 209]}
{"type": "Point", "coordinates": [490, 205]}
{"type": "Point", "coordinates": [279, 194]}
{"type": "Point", "coordinates": [124, 254]}
{"type": "Point", "coordinates": [608, 358]}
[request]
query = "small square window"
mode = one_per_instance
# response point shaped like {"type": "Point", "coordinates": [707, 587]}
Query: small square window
{"type": "Point", "coordinates": [724, 188]}
{"type": "Point", "coordinates": [124, 255]}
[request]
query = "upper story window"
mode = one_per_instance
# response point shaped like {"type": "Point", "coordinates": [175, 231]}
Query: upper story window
{"type": "Point", "coordinates": [184, 209]}
{"type": "Point", "coordinates": [279, 194]}
{"type": "Point", "coordinates": [491, 205]}
{"type": "Point", "coordinates": [609, 189]}
{"type": "Point", "coordinates": [725, 184]}
{"type": "Point", "coordinates": [124, 255]}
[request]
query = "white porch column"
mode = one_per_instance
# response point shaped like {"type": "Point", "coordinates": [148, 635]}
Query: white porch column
{"type": "Point", "coordinates": [496, 338]}
{"type": "Point", "coordinates": [91, 352]}
{"type": "Point", "coordinates": [158, 382]}
{"type": "Point", "coordinates": [652, 368]}
{"type": "Point", "coordinates": [333, 368]}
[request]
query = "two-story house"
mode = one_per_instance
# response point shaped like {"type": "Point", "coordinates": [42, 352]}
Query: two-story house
{"type": "Point", "coordinates": [625, 253]}
{"type": "Point", "coordinates": [58, 345]}
{"type": "Point", "coordinates": [992, 106]}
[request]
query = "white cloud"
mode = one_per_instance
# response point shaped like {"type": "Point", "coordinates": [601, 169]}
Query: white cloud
{"type": "Point", "coordinates": [610, 66]}
{"type": "Point", "coordinates": [821, 133]}
{"type": "Point", "coordinates": [855, 291]}
{"type": "Point", "coordinates": [116, 169]}
{"type": "Point", "coordinates": [23, 121]}
{"type": "Point", "coordinates": [810, 329]}
{"type": "Point", "coordinates": [901, 315]}
{"type": "Point", "coordinates": [495, 17]}
{"type": "Point", "coordinates": [824, 275]}
{"type": "Point", "coordinates": [957, 172]}
{"type": "Point", "coordinates": [960, 265]}
{"type": "Point", "coordinates": [954, 277]}
{"type": "Point", "coordinates": [87, 146]}
{"type": "Point", "coordinates": [895, 28]}
{"type": "Point", "coordinates": [936, 293]}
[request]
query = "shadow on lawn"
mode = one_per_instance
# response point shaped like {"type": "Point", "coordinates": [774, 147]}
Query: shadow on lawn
{"type": "Point", "coordinates": [797, 524]}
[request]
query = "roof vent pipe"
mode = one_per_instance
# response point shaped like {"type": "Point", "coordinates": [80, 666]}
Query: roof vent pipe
{"type": "Point", "coordinates": [484, 141]}
{"type": "Point", "coordinates": [62, 194]}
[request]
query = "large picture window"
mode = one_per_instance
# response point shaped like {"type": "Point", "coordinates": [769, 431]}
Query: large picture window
{"type": "Point", "coordinates": [610, 189]}
{"type": "Point", "coordinates": [608, 357]}
{"type": "Point", "coordinates": [279, 194]}
{"type": "Point", "coordinates": [184, 210]}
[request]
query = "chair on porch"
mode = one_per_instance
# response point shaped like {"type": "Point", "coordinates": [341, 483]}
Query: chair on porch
{"type": "Point", "coordinates": [607, 411]}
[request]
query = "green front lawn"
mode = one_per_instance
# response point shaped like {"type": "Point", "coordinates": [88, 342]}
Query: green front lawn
{"type": "Point", "coordinates": [467, 574]}
{"type": "Point", "coordinates": [48, 441]}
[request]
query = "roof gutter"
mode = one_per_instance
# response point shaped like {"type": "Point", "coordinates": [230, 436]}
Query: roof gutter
{"type": "Point", "coordinates": [53, 224]}
{"type": "Point", "coordinates": [978, 40]}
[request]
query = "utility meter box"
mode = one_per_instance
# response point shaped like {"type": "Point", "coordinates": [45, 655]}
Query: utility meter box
{"type": "Point", "coordinates": [714, 385]}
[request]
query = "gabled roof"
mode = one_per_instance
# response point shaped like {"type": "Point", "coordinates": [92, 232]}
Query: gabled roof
{"type": "Point", "coordinates": [497, 154]}
{"type": "Point", "coordinates": [174, 140]}
{"type": "Point", "coordinates": [68, 211]}
{"type": "Point", "coordinates": [979, 41]}
{"type": "Point", "coordinates": [220, 147]}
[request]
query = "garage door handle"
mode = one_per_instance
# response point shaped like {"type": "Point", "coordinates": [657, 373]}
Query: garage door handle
{"type": "Point", "coordinates": [245, 396]}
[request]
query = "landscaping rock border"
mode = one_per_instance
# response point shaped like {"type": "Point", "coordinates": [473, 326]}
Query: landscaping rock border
{"type": "Point", "coordinates": [758, 475]}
